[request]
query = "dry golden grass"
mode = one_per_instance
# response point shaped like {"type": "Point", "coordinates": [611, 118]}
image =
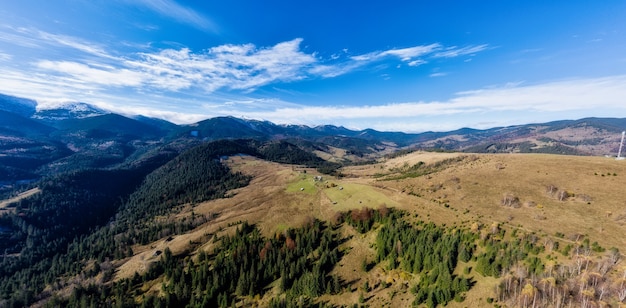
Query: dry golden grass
{"type": "Point", "coordinates": [416, 157]}
{"type": "Point", "coordinates": [477, 188]}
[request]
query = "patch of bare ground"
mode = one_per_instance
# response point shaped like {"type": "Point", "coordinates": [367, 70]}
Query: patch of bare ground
{"type": "Point", "coordinates": [334, 154]}
{"type": "Point", "coordinates": [5, 204]}
{"type": "Point", "coordinates": [355, 250]}
{"type": "Point", "coordinates": [377, 286]}
{"type": "Point", "coordinates": [383, 166]}
{"type": "Point", "coordinates": [420, 156]}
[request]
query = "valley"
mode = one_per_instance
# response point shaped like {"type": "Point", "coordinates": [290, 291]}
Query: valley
{"type": "Point", "coordinates": [99, 209]}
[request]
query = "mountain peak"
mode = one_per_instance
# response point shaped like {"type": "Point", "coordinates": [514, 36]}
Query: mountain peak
{"type": "Point", "coordinates": [67, 110]}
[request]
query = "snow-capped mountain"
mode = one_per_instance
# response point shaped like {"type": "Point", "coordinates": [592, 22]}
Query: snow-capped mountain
{"type": "Point", "coordinates": [69, 110]}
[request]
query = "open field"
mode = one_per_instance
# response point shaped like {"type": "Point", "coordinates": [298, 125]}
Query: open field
{"type": "Point", "coordinates": [477, 186]}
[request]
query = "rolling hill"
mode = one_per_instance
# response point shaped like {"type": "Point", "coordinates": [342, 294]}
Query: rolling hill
{"type": "Point", "coordinates": [141, 212]}
{"type": "Point", "coordinates": [552, 217]}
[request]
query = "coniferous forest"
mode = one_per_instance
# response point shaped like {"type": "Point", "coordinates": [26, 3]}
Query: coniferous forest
{"type": "Point", "coordinates": [98, 214]}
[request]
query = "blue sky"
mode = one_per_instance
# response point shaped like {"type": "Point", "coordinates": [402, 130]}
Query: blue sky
{"type": "Point", "coordinates": [408, 66]}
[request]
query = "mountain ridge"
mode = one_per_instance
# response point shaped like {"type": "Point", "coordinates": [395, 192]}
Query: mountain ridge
{"type": "Point", "coordinates": [83, 135]}
{"type": "Point", "coordinates": [74, 110]}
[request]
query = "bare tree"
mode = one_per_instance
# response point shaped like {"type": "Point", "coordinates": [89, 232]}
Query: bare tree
{"type": "Point", "coordinates": [551, 190]}
{"type": "Point", "coordinates": [562, 195]}
{"type": "Point", "coordinates": [595, 279]}
{"type": "Point", "coordinates": [614, 256]}
{"type": "Point", "coordinates": [621, 294]}
{"type": "Point", "coordinates": [548, 243]}
{"type": "Point", "coordinates": [579, 262]}
{"type": "Point", "coordinates": [510, 200]}
{"type": "Point", "coordinates": [603, 289]}
{"type": "Point", "coordinates": [495, 228]}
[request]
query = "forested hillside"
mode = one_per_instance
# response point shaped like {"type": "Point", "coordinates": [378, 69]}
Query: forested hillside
{"type": "Point", "coordinates": [41, 227]}
{"type": "Point", "coordinates": [57, 232]}
{"type": "Point", "coordinates": [97, 214]}
{"type": "Point", "coordinates": [297, 267]}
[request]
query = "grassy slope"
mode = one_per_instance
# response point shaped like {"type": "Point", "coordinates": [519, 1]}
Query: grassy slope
{"type": "Point", "coordinates": [479, 186]}
{"type": "Point", "coordinates": [472, 190]}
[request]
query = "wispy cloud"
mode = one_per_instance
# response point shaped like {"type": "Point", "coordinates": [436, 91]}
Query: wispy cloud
{"type": "Point", "coordinates": [37, 39]}
{"type": "Point", "coordinates": [72, 42]}
{"type": "Point", "coordinates": [408, 54]}
{"type": "Point", "coordinates": [231, 67]}
{"type": "Point", "coordinates": [417, 62]}
{"type": "Point", "coordinates": [81, 73]}
{"type": "Point", "coordinates": [452, 52]}
{"type": "Point", "coordinates": [404, 54]}
{"type": "Point", "coordinates": [413, 56]}
{"type": "Point", "coordinates": [19, 36]}
{"type": "Point", "coordinates": [438, 74]}
{"type": "Point", "coordinates": [5, 56]}
{"type": "Point", "coordinates": [181, 14]}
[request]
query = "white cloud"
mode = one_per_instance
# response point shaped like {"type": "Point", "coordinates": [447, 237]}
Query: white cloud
{"type": "Point", "coordinates": [438, 74]}
{"type": "Point", "coordinates": [407, 54]}
{"type": "Point", "coordinates": [404, 54]}
{"type": "Point", "coordinates": [417, 62]}
{"type": "Point", "coordinates": [240, 67]}
{"type": "Point", "coordinates": [85, 74]}
{"type": "Point", "coordinates": [575, 94]}
{"type": "Point", "coordinates": [414, 56]}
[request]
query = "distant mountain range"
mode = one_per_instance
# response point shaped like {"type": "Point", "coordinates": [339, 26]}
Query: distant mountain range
{"type": "Point", "coordinates": [35, 142]}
